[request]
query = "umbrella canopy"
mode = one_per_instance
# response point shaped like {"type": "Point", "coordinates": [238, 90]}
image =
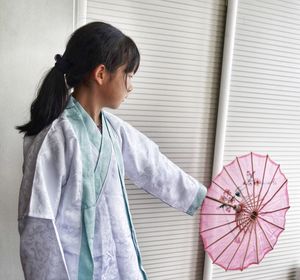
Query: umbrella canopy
{"type": "Point", "coordinates": [244, 211]}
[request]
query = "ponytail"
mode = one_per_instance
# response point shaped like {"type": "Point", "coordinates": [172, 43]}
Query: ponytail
{"type": "Point", "coordinates": [89, 46]}
{"type": "Point", "coordinates": [49, 103]}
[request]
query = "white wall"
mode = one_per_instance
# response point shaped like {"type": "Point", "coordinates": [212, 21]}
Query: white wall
{"type": "Point", "coordinates": [31, 33]}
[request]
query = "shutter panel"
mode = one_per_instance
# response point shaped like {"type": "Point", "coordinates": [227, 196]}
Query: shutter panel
{"type": "Point", "coordinates": [174, 102]}
{"type": "Point", "coordinates": [264, 115]}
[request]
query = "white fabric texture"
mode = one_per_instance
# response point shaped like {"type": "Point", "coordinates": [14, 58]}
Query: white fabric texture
{"type": "Point", "coordinates": [50, 224]}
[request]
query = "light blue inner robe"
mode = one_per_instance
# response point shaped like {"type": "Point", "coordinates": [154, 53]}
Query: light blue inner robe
{"type": "Point", "coordinates": [74, 216]}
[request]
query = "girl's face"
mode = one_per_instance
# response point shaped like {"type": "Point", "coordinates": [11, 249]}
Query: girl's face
{"type": "Point", "coordinates": [115, 90]}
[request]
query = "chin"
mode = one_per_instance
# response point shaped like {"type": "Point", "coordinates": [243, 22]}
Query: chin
{"type": "Point", "coordinates": [114, 106]}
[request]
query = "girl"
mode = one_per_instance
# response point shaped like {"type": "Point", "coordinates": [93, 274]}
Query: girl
{"type": "Point", "coordinates": [74, 217]}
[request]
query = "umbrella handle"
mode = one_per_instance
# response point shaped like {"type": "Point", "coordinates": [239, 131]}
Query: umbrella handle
{"type": "Point", "coordinates": [237, 208]}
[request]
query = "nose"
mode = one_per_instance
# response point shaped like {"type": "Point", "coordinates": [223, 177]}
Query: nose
{"type": "Point", "coordinates": [130, 88]}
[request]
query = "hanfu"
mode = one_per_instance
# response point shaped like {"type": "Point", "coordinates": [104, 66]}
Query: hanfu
{"type": "Point", "coordinates": [74, 216]}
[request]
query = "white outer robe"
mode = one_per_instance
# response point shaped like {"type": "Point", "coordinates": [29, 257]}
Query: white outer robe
{"type": "Point", "coordinates": [50, 201]}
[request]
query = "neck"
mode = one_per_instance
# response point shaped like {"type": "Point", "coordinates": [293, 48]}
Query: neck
{"type": "Point", "coordinates": [89, 101]}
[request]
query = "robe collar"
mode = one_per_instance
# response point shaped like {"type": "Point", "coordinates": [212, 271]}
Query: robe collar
{"type": "Point", "coordinates": [94, 174]}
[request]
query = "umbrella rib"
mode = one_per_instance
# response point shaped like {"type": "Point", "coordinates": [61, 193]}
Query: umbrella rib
{"type": "Point", "coordinates": [249, 206]}
{"type": "Point", "coordinates": [221, 237]}
{"type": "Point", "coordinates": [217, 226]}
{"type": "Point", "coordinates": [247, 247]}
{"type": "Point", "coordinates": [270, 223]}
{"type": "Point", "coordinates": [246, 211]}
{"type": "Point", "coordinates": [268, 188]}
{"type": "Point", "coordinates": [225, 191]}
{"type": "Point", "coordinates": [253, 193]}
{"type": "Point", "coordinates": [265, 234]}
{"type": "Point", "coordinates": [242, 218]}
{"type": "Point", "coordinates": [236, 185]}
{"type": "Point", "coordinates": [273, 195]}
{"type": "Point", "coordinates": [230, 243]}
{"type": "Point", "coordinates": [238, 247]}
{"type": "Point", "coordinates": [243, 221]}
{"type": "Point", "coordinates": [256, 244]}
{"type": "Point", "coordinates": [218, 214]}
{"type": "Point", "coordinates": [268, 212]}
{"type": "Point", "coordinates": [263, 179]}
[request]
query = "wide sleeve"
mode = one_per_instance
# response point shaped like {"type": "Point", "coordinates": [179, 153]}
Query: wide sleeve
{"type": "Point", "coordinates": [44, 175]}
{"type": "Point", "coordinates": [152, 171]}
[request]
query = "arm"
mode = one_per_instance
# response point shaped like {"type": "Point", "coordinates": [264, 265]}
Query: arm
{"type": "Point", "coordinates": [152, 171]}
{"type": "Point", "coordinates": [44, 174]}
{"type": "Point", "coordinates": [40, 250]}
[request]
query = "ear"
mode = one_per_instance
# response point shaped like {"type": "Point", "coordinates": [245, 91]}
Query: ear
{"type": "Point", "coordinates": [99, 74]}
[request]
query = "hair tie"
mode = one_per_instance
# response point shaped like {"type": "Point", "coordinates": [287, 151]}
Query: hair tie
{"type": "Point", "coordinates": [61, 63]}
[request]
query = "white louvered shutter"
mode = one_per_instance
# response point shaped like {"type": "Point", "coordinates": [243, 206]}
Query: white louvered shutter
{"type": "Point", "coordinates": [264, 115]}
{"type": "Point", "coordinates": [174, 102]}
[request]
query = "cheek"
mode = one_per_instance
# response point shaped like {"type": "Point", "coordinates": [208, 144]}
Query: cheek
{"type": "Point", "coordinates": [117, 92]}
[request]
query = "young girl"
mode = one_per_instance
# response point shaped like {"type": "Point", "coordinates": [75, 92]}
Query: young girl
{"type": "Point", "coordinates": [74, 217]}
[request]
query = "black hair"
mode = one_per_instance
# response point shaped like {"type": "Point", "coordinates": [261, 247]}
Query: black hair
{"type": "Point", "coordinates": [89, 46]}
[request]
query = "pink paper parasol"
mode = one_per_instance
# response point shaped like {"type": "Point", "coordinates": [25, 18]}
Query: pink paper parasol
{"type": "Point", "coordinates": [244, 211]}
